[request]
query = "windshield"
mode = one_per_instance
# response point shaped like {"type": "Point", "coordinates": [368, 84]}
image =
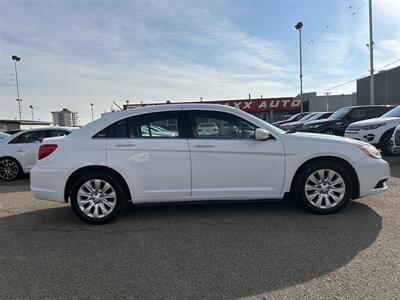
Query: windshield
{"type": "Point", "coordinates": [341, 113]}
{"type": "Point", "coordinates": [395, 112]}
{"type": "Point", "coordinates": [308, 117]}
{"type": "Point", "coordinates": [315, 117]}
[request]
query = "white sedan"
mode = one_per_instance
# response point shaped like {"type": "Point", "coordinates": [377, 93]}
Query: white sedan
{"type": "Point", "coordinates": [110, 162]}
{"type": "Point", "coordinates": [18, 152]}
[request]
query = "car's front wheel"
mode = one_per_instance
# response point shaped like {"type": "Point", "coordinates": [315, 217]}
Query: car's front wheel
{"type": "Point", "coordinates": [386, 144]}
{"type": "Point", "coordinates": [97, 198]}
{"type": "Point", "coordinates": [323, 188]}
{"type": "Point", "coordinates": [9, 169]}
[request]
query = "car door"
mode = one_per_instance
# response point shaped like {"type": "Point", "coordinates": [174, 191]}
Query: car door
{"type": "Point", "coordinates": [153, 153]}
{"type": "Point", "coordinates": [231, 163]}
{"type": "Point", "coordinates": [25, 147]}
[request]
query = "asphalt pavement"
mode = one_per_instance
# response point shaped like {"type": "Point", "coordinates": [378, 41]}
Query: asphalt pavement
{"type": "Point", "coordinates": [220, 251]}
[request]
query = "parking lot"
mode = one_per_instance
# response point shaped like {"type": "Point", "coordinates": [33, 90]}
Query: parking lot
{"type": "Point", "coordinates": [222, 251]}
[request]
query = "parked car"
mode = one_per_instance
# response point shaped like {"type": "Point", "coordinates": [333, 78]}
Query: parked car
{"type": "Point", "coordinates": [396, 138]}
{"type": "Point", "coordinates": [207, 129]}
{"type": "Point", "coordinates": [295, 126]}
{"type": "Point", "coordinates": [18, 152]}
{"type": "Point", "coordinates": [3, 135]}
{"type": "Point", "coordinates": [337, 123]}
{"type": "Point", "coordinates": [292, 118]}
{"type": "Point", "coordinates": [377, 131]}
{"type": "Point", "coordinates": [108, 162]}
{"type": "Point", "coordinates": [13, 131]}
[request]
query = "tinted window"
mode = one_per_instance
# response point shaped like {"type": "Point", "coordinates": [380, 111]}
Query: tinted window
{"type": "Point", "coordinates": [30, 137]}
{"type": "Point", "coordinates": [56, 132]}
{"type": "Point", "coordinates": [341, 113]}
{"type": "Point", "coordinates": [154, 125]}
{"type": "Point", "coordinates": [358, 113]}
{"type": "Point", "coordinates": [212, 124]}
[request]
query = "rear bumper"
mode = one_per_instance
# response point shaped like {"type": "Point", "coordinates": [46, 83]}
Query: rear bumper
{"type": "Point", "coordinates": [48, 184]}
{"type": "Point", "coordinates": [372, 174]}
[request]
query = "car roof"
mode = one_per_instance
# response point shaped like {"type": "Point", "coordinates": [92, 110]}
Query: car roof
{"type": "Point", "coordinates": [8, 138]}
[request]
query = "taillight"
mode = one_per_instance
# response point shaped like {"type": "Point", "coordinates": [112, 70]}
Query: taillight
{"type": "Point", "coordinates": [45, 150]}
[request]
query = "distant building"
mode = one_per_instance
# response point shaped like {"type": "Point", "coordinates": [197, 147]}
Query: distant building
{"type": "Point", "coordinates": [65, 117]}
{"type": "Point", "coordinates": [386, 88]}
{"type": "Point", "coordinates": [6, 125]}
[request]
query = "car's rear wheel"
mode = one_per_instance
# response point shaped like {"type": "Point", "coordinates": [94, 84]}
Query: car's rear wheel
{"type": "Point", "coordinates": [329, 131]}
{"type": "Point", "coordinates": [323, 188]}
{"type": "Point", "coordinates": [9, 169]}
{"type": "Point", "coordinates": [386, 144]}
{"type": "Point", "coordinates": [97, 198]}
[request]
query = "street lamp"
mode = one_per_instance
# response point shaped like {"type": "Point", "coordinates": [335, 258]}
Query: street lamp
{"type": "Point", "coordinates": [15, 59]}
{"type": "Point", "coordinates": [91, 104]}
{"type": "Point", "coordinates": [298, 27]}
{"type": "Point", "coordinates": [31, 107]}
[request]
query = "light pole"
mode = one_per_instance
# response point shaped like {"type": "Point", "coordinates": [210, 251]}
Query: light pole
{"type": "Point", "coordinates": [91, 105]}
{"type": "Point", "coordinates": [31, 107]}
{"type": "Point", "coordinates": [371, 56]}
{"type": "Point", "coordinates": [15, 59]}
{"type": "Point", "coordinates": [327, 100]}
{"type": "Point", "coordinates": [298, 27]}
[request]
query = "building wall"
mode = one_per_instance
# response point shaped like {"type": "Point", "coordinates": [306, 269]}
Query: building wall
{"type": "Point", "coordinates": [386, 88]}
{"type": "Point", "coordinates": [330, 102]}
{"type": "Point", "coordinates": [13, 125]}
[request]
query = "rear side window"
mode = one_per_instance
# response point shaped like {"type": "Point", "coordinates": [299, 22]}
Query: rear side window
{"type": "Point", "coordinates": [153, 125]}
{"type": "Point", "coordinates": [55, 132]}
{"type": "Point", "coordinates": [31, 137]}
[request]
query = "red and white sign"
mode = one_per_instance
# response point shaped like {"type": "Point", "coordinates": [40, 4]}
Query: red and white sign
{"type": "Point", "coordinates": [249, 105]}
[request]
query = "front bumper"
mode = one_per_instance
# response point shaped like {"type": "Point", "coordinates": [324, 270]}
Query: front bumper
{"type": "Point", "coordinates": [372, 174]}
{"type": "Point", "coordinates": [364, 136]}
{"type": "Point", "coordinates": [48, 184]}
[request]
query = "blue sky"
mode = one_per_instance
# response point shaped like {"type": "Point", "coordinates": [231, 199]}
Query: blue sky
{"type": "Point", "coordinates": [75, 52]}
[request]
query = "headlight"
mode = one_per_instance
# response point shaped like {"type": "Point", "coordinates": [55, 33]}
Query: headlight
{"type": "Point", "coordinates": [372, 127]}
{"type": "Point", "coordinates": [371, 151]}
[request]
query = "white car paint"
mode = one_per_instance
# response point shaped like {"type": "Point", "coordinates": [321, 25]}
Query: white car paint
{"type": "Point", "coordinates": [372, 130]}
{"type": "Point", "coordinates": [180, 169]}
{"type": "Point", "coordinates": [24, 153]}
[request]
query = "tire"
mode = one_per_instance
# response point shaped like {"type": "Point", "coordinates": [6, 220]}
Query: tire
{"type": "Point", "coordinates": [91, 205]}
{"type": "Point", "coordinates": [328, 204]}
{"type": "Point", "coordinates": [329, 131]}
{"type": "Point", "coordinates": [10, 169]}
{"type": "Point", "coordinates": [385, 144]}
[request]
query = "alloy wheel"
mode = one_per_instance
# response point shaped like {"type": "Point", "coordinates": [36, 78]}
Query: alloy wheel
{"type": "Point", "coordinates": [325, 188]}
{"type": "Point", "coordinates": [96, 198]}
{"type": "Point", "coordinates": [8, 169]}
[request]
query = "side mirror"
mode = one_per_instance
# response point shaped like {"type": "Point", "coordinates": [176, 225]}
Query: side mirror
{"type": "Point", "coordinates": [261, 134]}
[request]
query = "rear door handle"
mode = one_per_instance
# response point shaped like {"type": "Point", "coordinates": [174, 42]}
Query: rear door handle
{"type": "Point", "coordinates": [20, 150]}
{"type": "Point", "coordinates": [204, 146]}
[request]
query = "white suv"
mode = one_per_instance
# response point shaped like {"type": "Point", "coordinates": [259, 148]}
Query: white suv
{"type": "Point", "coordinates": [110, 161]}
{"type": "Point", "coordinates": [377, 131]}
{"type": "Point", "coordinates": [18, 152]}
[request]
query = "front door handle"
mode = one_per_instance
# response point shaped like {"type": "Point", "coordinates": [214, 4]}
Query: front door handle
{"type": "Point", "coordinates": [125, 145]}
{"type": "Point", "coordinates": [204, 146]}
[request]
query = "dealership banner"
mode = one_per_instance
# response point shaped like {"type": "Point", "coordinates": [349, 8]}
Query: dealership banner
{"type": "Point", "coordinates": [249, 105]}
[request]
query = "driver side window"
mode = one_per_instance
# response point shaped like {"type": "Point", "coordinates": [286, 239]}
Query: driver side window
{"type": "Point", "coordinates": [220, 125]}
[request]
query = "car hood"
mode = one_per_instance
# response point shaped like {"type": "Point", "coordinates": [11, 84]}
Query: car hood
{"type": "Point", "coordinates": [377, 121]}
{"type": "Point", "coordinates": [293, 123]}
{"type": "Point", "coordinates": [324, 138]}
